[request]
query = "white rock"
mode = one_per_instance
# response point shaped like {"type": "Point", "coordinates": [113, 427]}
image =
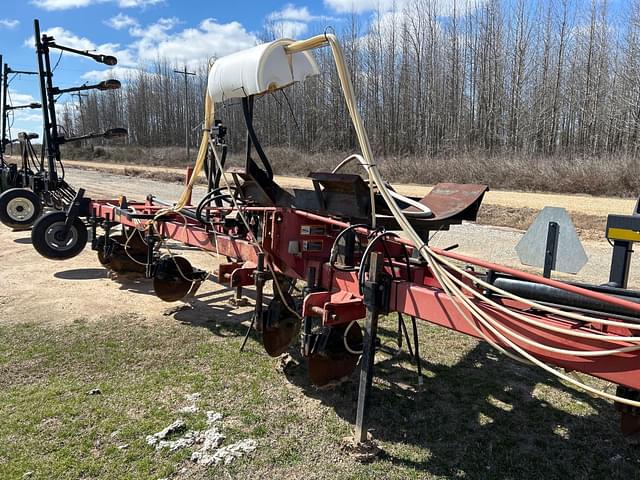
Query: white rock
{"type": "Point", "coordinates": [189, 409]}
{"type": "Point", "coordinates": [213, 417]}
{"type": "Point", "coordinates": [188, 439]}
{"type": "Point", "coordinates": [225, 454]}
{"type": "Point", "coordinates": [193, 397]}
{"type": "Point", "coordinates": [176, 426]}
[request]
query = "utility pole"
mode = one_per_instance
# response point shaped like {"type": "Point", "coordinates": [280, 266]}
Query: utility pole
{"type": "Point", "coordinates": [186, 105]}
{"type": "Point", "coordinates": [3, 105]}
{"type": "Point", "coordinates": [4, 108]}
{"type": "Point", "coordinates": [80, 95]}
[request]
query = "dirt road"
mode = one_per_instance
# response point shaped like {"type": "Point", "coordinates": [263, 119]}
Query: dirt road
{"type": "Point", "coordinates": [63, 292]}
{"type": "Point", "coordinates": [585, 204]}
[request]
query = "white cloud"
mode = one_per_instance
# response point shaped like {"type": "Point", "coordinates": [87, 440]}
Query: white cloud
{"type": "Point", "coordinates": [68, 4]}
{"type": "Point", "coordinates": [66, 38]}
{"type": "Point", "coordinates": [23, 119]}
{"type": "Point", "coordinates": [61, 4]}
{"type": "Point", "coordinates": [300, 14]}
{"type": "Point", "coordinates": [358, 6]}
{"type": "Point", "coordinates": [9, 23]}
{"type": "Point", "coordinates": [21, 99]}
{"type": "Point", "coordinates": [288, 28]}
{"type": "Point", "coordinates": [192, 46]}
{"type": "Point", "coordinates": [70, 39]}
{"type": "Point", "coordinates": [160, 40]}
{"type": "Point", "coordinates": [291, 12]}
{"type": "Point", "coordinates": [138, 3]}
{"type": "Point", "coordinates": [119, 73]}
{"type": "Point", "coordinates": [159, 28]}
{"type": "Point", "coordinates": [291, 21]}
{"type": "Point", "coordinates": [121, 21]}
{"type": "Point", "coordinates": [125, 56]}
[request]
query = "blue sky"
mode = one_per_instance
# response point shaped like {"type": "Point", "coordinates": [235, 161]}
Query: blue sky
{"type": "Point", "coordinates": [138, 31]}
{"type": "Point", "coordinates": [185, 31]}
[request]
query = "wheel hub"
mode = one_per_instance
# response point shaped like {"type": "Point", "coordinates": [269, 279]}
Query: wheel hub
{"type": "Point", "coordinates": [20, 209]}
{"type": "Point", "coordinates": [57, 239]}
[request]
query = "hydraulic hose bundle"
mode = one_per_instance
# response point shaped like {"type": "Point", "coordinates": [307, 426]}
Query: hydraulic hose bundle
{"type": "Point", "coordinates": [442, 268]}
{"type": "Point", "coordinates": [465, 295]}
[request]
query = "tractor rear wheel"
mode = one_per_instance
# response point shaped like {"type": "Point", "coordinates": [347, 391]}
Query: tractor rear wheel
{"type": "Point", "coordinates": [19, 208]}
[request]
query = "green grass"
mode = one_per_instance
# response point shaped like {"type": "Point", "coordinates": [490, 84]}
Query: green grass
{"type": "Point", "coordinates": [477, 415]}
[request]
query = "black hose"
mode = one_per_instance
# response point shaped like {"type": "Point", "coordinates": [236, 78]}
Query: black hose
{"type": "Point", "coordinates": [334, 249]}
{"type": "Point", "coordinates": [248, 118]}
{"type": "Point", "coordinates": [218, 175]}
{"type": "Point", "coordinates": [33, 161]}
{"type": "Point", "coordinates": [61, 168]}
{"type": "Point", "coordinates": [545, 293]}
{"type": "Point", "coordinates": [406, 258]}
{"type": "Point", "coordinates": [366, 254]}
{"type": "Point", "coordinates": [201, 206]}
{"type": "Point", "coordinates": [213, 195]}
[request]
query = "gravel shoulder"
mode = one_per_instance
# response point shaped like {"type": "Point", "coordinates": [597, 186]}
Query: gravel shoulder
{"type": "Point", "coordinates": [63, 292]}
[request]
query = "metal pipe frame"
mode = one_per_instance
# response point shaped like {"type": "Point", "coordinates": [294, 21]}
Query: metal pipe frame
{"type": "Point", "coordinates": [415, 293]}
{"type": "Point", "coordinates": [3, 106]}
{"type": "Point", "coordinates": [49, 124]}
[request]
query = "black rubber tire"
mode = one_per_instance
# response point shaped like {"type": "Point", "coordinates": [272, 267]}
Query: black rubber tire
{"type": "Point", "coordinates": [7, 204]}
{"type": "Point", "coordinates": [43, 237]}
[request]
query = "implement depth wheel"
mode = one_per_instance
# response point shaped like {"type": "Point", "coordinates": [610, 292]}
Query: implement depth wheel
{"type": "Point", "coordinates": [19, 208]}
{"type": "Point", "coordinates": [51, 242]}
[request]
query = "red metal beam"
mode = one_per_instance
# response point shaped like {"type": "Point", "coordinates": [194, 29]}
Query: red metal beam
{"type": "Point", "coordinates": [294, 241]}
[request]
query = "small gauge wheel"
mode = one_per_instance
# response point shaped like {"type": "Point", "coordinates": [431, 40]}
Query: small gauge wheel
{"type": "Point", "coordinates": [51, 241]}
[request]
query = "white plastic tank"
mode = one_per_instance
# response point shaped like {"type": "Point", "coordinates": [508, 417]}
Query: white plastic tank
{"type": "Point", "coordinates": [258, 70]}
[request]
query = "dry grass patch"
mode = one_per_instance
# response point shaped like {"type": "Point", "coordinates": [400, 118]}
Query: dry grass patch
{"type": "Point", "coordinates": [608, 175]}
{"type": "Point", "coordinates": [589, 227]}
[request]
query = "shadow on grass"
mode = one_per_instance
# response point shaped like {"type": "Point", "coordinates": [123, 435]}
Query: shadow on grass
{"type": "Point", "coordinates": [484, 417]}
{"type": "Point", "coordinates": [215, 311]}
{"type": "Point", "coordinates": [481, 416]}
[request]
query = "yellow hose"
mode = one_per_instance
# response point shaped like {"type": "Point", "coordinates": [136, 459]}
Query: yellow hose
{"type": "Point", "coordinates": [209, 114]}
{"type": "Point", "coordinates": [440, 266]}
{"type": "Point", "coordinates": [445, 277]}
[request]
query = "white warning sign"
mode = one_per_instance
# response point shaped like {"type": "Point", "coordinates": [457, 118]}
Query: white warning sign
{"type": "Point", "coordinates": [531, 248]}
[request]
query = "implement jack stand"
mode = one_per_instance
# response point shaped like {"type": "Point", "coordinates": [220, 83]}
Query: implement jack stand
{"type": "Point", "coordinates": [259, 276]}
{"type": "Point", "coordinates": [238, 300]}
{"type": "Point", "coordinates": [363, 452]}
{"type": "Point", "coordinates": [363, 447]}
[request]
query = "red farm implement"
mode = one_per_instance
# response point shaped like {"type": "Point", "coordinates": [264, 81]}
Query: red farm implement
{"type": "Point", "coordinates": [362, 251]}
